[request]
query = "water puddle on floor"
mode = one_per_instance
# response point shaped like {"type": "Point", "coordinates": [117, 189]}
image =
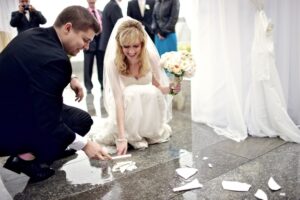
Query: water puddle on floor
{"type": "Point", "coordinates": [85, 171]}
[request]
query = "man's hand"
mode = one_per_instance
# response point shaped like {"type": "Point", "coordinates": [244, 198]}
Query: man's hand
{"type": "Point", "coordinates": [21, 8]}
{"type": "Point", "coordinates": [175, 87]}
{"type": "Point", "coordinates": [77, 88]}
{"type": "Point", "coordinates": [94, 151]}
{"type": "Point", "coordinates": [31, 8]}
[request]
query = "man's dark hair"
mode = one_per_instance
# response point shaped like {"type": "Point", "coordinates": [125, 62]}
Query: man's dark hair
{"type": "Point", "coordinates": [80, 17]}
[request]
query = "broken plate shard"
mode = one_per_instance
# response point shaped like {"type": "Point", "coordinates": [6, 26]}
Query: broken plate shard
{"type": "Point", "coordinates": [204, 158]}
{"type": "Point", "coordinates": [261, 195]}
{"type": "Point", "coordinates": [121, 156]}
{"type": "Point", "coordinates": [235, 186]}
{"type": "Point", "coordinates": [210, 165]}
{"type": "Point", "coordinates": [186, 172]}
{"type": "Point", "coordinates": [123, 166]}
{"type": "Point", "coordinates": [273, 185]}
{"type": "Point", "coordinates": [191, 185]}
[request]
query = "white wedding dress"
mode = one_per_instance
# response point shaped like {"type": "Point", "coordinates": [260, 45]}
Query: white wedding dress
{"type": "Point", "coordinates": [146, 110]}
{"type": "Point", "coordinates": [145, 115]}
{"type": "Point", "coordinates": [266, 112]}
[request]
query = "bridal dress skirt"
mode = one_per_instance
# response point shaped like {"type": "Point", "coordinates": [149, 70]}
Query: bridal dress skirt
{"type": "Point", "coordinates": [145, 111]}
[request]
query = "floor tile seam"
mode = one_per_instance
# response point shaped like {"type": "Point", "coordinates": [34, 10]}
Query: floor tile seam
{"type": "Point", "coordinates": [242, 164]}
{"type": "Point", "coordinates": [253, 158]}
{"type": "Point", "coordinates": [225, 172]}
{"type": "Point", "coordinates": [181, 193]}
{"type": "Point", "coordinates": [180, 130]}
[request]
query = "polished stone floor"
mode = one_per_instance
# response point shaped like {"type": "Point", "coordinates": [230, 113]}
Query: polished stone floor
{"type": "Point", "coordinates": [252, 161]}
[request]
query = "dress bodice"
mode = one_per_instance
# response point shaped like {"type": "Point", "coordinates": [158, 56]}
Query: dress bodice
{"type": "Point", "coordinates": [130, 80]}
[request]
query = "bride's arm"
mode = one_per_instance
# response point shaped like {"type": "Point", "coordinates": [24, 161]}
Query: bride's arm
{"type": "Point", "coordinates": [159, 77]}
{"type": "Point", "coordinates": [121, 141]}
{"type": "Point", "coordinates": [120, 120]}
{"type": "Point", "coordinates": [167, 89]}
{"type": "Point", "coordinates": [163, 89]}
{"type": "Point", "coordinates": [112, 77]}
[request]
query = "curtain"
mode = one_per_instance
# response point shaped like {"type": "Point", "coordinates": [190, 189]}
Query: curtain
{"type": "Point", "coordinates": [221, 36]}
{"type": "Point", "coordinates": [6, 31]}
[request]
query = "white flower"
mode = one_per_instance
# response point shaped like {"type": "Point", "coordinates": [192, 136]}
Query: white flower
{"type": "Point", "coordinates": [179, 63]}
{"type": "Point", "coordinates": [147, 7]}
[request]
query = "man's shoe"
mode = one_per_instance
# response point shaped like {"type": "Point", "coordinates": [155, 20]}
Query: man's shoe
{"type": "Point", "coordinates": [31, 168]}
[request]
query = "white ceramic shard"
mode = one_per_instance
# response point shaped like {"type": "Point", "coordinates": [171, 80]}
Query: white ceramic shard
{"type": "Point", "coordinates": [235, 186]}
{"type": "Point", "coordinates": [186, 172]}
{"type": "Point", "coordinates": [210, 165]}
{"type": "Point", "coordinates": [282, 194]}
{"type": "Point", "coordinates": [273, 185]}
{"type": "Point", "coordinates": [123, 166]}
{"type": "Point", "coordinates": [131, 167]}
{"type": "Point", "coordinates": [204, 158]}
{"type": "Point", "coordinates": [121, 156]}
{"type": "Point", "coordinates": [261, 195]}
{"type": "Point", "coordinates": [191, 185]}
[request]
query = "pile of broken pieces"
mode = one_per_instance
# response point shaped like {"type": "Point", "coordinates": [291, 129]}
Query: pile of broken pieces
{"type": "Point", "coordinates": [236, 186]}
{"type": "Point", "coordinates": [187, 172]}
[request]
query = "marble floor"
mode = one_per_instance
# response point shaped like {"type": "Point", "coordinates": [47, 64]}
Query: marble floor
{"type": "Point", "coordinates": [252, 161]}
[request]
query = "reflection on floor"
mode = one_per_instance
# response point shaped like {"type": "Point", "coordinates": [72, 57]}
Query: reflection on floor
{"type": "Point", "coordinates": [253, 161]}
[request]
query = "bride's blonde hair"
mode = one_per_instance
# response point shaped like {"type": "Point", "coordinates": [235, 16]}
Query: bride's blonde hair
{"type": "Point", "coordinates": [129, 32]}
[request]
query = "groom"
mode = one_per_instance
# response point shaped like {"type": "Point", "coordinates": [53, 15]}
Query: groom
{"type": "Point", "coordinates": [35, 126]}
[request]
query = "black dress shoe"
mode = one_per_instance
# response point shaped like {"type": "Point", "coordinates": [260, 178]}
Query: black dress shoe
{"type": "Point", "coordinates": [32, 168]}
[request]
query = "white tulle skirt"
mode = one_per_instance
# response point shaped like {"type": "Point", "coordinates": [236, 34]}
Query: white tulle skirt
{"type": "Point", "coordinates": [145, 111]}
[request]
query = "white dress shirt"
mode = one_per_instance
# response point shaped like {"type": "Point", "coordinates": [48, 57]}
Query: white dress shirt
{"type": "Point", "coordinates": [142, 6]}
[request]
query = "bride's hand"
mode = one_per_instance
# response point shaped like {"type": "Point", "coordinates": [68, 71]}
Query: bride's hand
{"type": "Point", "coordinates": [175, 89]}
{"type": "Point", "coordinates": [121, 146]}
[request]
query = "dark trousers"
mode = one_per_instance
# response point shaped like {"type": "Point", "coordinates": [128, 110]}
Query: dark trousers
{"type": "Point", "coordinates": [88, 68]}
{"type": "Point", "coordinates": [76, 119]}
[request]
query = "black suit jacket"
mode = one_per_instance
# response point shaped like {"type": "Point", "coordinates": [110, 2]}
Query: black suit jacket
{"type": "Point", "coordinates": [20, 21]}
{"type": "Point", "coordinates": [111, 13]}
{"type": "Point", "coordinates": [34, 70]}
{"type": "Point", "coordinates": [133, 11]}
{"type": "Point", "coordinates": [95, 43]}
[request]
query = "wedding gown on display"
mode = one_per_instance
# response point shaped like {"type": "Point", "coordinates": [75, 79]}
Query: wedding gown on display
{"type": "Point", "coordinates": [146, 110]}
{"type": "Point", "coordinates": [266, 111]}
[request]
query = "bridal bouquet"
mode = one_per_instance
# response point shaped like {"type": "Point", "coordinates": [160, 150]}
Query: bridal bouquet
{"type": "Point", "coordinates": [178, 64]}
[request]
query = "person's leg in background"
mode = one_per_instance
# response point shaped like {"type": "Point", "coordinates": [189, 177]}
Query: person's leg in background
{"type": "Point", "coordinates": [100, 58]}
{"type": "Point", "coordinates": [88, 70]}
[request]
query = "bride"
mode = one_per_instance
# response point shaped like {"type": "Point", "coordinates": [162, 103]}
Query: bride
{"type": "Point", "coordinates": [135, 90]}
